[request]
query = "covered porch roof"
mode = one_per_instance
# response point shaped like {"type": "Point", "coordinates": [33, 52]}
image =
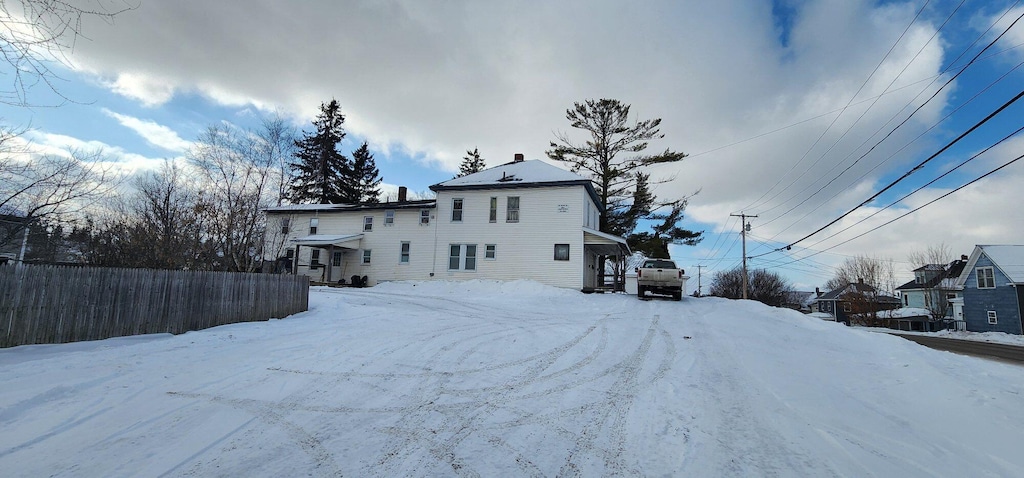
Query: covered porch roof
{"type": "Point", "coordinates": [603, 243]}
{"type": "Point", "coordinates": [346, 241]}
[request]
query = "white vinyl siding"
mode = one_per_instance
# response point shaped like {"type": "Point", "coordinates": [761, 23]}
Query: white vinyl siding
{"type": "Point", "coordinates": [526, 246]}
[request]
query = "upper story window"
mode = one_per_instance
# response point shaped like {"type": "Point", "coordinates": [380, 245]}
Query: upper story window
{"type": "Point", "coordinates": [389, 217]}
{"type": "Point", "coordinates": [512, 214]}
{"type": "Point", "coordinates": [493, 217]}
{"type": "Point", "coordinates": [313, 224]}
{"type": "Point", "coordinates": [285, 222]}
{"type": "Point", "coordinates": [367, 223]}
{"type": "Point", "coordinates": [986, 278]}
{"type": "Point", "coordinates": [457, 210]}
{"type": "Point", "coordinates": [424, 216]}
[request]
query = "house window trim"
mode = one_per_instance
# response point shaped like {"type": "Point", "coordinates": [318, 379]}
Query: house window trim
{"type": "Point", "coordinates": [314, 224]}
{"type": "Point", "coordinates": [367, 257]}
{"type": "Point", "coordinates": [993, 318]}
{"type": "Point", "coordinates": [424, 217]}
{"type": "Point", "coordinates": [461, 202]}
{"type": "Point", "coordinates": [404, 253]}
{"type": "Point", "coordinates": [367, 223]}
{"type": "Point", "coordinates": [314, 257]}
{"type": "Point", "coordinates": [285, 225]}
{"type": "Point", "coordinates": [336, 259]}
{"type": "Point", "coordinates": [463, 257]}
{"type": "Point", "coordinates": [389, 217]}
{"type": "Point", "coordinates": [493, 215]}
{"type": "Point", "coordinates": [991, 275]}
{"type": "Point", "coordinates": [847, 307]}
{"type": "Point", "coordinates": [512, 214]}
{"type": "Point", "coordinates": [491, 249]}
{"type": "Point", "coordinates": [568, 253]}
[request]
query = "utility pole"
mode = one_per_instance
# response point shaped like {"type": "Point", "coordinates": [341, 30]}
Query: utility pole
{"type": "Point", "coordinates": [743, 232]}
{"type": "Point", "coordinates": [699, 267]}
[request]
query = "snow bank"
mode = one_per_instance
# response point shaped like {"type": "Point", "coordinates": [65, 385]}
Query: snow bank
{"type": "Point", "coordinates": [510, 379]}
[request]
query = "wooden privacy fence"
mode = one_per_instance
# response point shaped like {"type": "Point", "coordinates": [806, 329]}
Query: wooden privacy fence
{"type": "Point", "coordinates": [51, 304]}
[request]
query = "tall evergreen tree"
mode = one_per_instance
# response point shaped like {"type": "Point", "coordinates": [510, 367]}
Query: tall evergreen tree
{"type": "Point", "coordinates": [613, 156]}
{"type": "Point", "coordinates": [471, 163]}
{"type": "Point", "coordinates": [321, 170]}
{"type": "Point", "coordinates": [364, 179]}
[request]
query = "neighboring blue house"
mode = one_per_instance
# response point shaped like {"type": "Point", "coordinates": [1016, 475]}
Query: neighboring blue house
{"type": "Point", "coordinates": [992, 294]}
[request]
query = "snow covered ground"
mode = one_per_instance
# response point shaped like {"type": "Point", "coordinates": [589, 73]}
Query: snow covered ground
{"type": "Point", "coordinates": [514, 379]}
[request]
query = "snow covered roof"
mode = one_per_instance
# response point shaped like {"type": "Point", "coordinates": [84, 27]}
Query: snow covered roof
{"type": "Point", "coordinates": [1008, 258]}
{"type": "Point", "coordinates": [326, 239]}
{"type": "Point", "coordinates": [904, 313]}
{"type": "Point", "coordinates": [423, 203]}
{"type": "Point", "coordinates": [519, 174]}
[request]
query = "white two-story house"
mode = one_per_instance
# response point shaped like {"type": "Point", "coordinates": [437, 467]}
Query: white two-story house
{"type": "Point", "coordinates": [520, 220]}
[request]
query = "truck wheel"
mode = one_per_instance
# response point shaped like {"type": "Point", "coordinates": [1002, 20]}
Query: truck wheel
{"type": "Point", "coordinates": [640, 291]}
{"type": "Point", "coordinates": [677, 296]}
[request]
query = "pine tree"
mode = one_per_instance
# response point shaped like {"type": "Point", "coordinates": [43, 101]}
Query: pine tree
{"type": "Point", "coordinates": [471, 163]}
{"type": "Point", "coordinates": [321, 170]}
{"type": "Point", "coordinates": [364, 180]}
{"type": "Point", "coordinates": [613, 156]}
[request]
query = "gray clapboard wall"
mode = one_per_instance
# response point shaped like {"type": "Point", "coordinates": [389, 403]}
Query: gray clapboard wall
{"type": "Point", "coordinates": [52, 304]}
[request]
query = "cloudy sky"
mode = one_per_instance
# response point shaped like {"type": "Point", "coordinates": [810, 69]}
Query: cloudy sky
{"type": "Point", "coordinates": [781, 105]}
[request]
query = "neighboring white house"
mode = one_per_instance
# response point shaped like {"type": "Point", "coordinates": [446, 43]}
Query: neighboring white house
{"type": "Point", "coordinates": [520, 220]}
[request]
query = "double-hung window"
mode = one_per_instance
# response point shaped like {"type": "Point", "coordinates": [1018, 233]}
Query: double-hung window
{"type": "Point", "coordinates": [512, 213]}
{"type": "Point", "coordinates": [457, 210]}
{"type": "Point", "coordinates": [366, 257]}
{"type": "Point", "coordinates": [424, 216]}
{"type": "Point", "coordinates": [992, 319]}
{"type": "Point", "coordinates": [490, 251]}
{"type": "Point", "coordinates": [389, 217]}
{"type": "Point", "coordinates": [313, 224]}
{"type": "Point", "coordinates": [986, 278]}
{"type": "Point", "coordinates": [404, 256]}
{"type": "Point", "coordinates": [284, 225]}
{"type": "Point", "coordinates": [493, 217]}
{"type": "Point", "coordinates": [462, 257]}
{"type": "Point", "coordinates": [314, 257]}
{"type": "Point", "coordinates": [336, 259]}
{"type": "Point", "coordinates": [367, 223]}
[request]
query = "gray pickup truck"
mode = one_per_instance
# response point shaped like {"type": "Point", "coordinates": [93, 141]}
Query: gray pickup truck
{"type": "Point", "coordinates": [660, 276]}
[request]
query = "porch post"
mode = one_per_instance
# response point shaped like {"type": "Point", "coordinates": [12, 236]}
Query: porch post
{"type": "Point", "coordinates": [330, 261]}
{"type": "Point", "coordinates": [295, 265]}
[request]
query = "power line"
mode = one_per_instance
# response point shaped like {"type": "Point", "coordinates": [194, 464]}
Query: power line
{"type": "Point", "coordinates": [834, 120]}
{"type": "Point", "coordinates": [917, 167]}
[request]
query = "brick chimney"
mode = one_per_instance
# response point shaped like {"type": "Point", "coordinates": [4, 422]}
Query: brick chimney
{"type": "Point", "coordinates": [518, 158]}
{"type": "Point", "coordinates": [403, 192]}
{"type": "Point", "coordinates": [817, 292]}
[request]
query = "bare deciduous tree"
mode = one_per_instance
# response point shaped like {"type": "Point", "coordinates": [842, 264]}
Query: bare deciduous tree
{"type": "Point", "coordinates": [877, 272]}
{"type": "Point", "coordinates": [51, 187]}
{"type": "Point", "coordinates": [764, 286]}
{"type": "Point", "coordinates": [934, 259]}
{"type": "Point", "coordinates": [35, 35]}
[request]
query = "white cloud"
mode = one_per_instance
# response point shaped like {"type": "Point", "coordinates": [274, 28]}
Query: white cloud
{"type": "Point", "coordinates": [155, 134]}
{"type": "Point", "coordinates": [433, 79]}
{"type": "Point", "coordinates": [148, 90]}
{"type": "Point", "coordinates": [42, 143]}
